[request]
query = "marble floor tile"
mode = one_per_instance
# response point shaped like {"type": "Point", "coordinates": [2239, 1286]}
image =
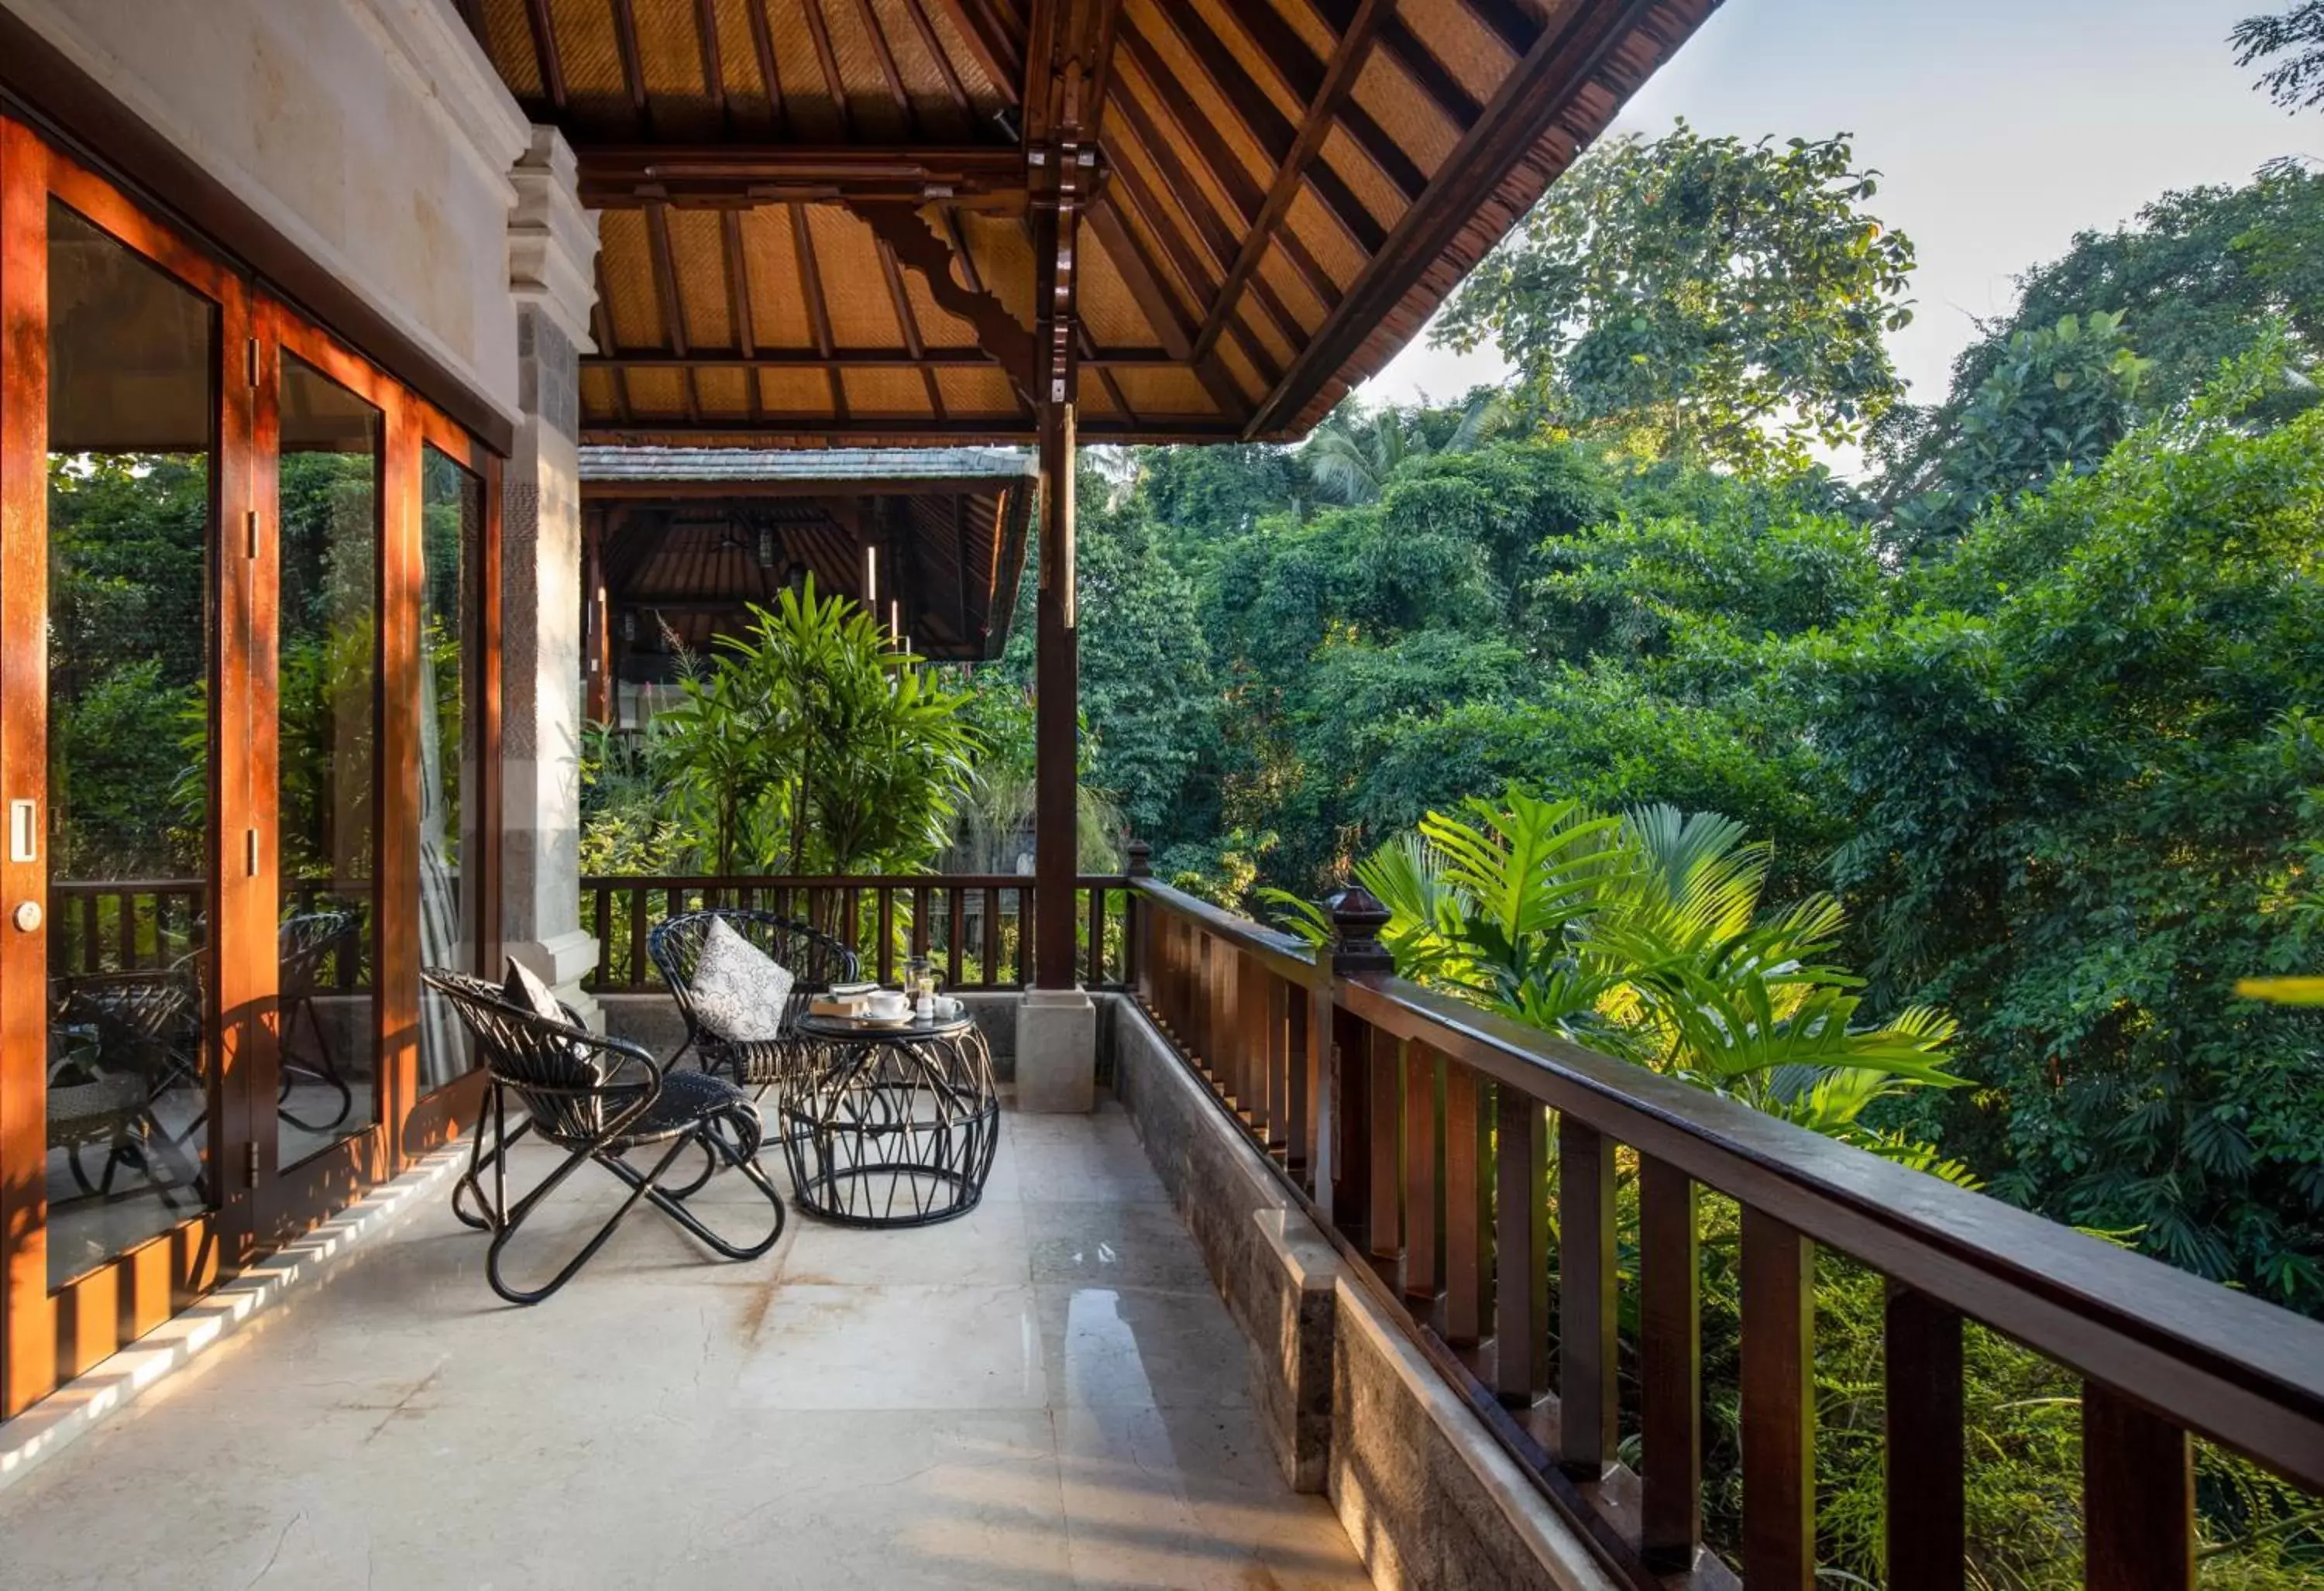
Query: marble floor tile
{"type": "Point", "coordinates": [1045, 1395]}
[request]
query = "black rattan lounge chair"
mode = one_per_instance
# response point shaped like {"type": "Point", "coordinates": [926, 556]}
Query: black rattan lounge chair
{"type": "Point", "coordinates": [304, 942]}
{"type": "Point", "coordinates": [597, 1099]}
{"type": "Point", "coordinates": [816, 962]}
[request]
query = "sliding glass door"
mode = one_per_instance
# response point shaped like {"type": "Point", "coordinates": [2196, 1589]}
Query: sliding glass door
{"type": "Point", "coordinates": [247, 725]}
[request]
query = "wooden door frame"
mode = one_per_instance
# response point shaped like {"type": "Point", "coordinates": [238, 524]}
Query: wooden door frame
{"type": "Point", "coordinates": [47, 1337]}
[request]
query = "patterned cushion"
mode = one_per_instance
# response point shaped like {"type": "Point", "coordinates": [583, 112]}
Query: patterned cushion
{"type": "Point", "coordinates": [525, 991]}
{"type": "Point", "coordinates": [739, 991]}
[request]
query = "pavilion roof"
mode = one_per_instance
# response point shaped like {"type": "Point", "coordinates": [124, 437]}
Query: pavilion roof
{"type": "Point", "coordinates": [816, 223]}
{"type": "Point", "coordinates": [691, 538]}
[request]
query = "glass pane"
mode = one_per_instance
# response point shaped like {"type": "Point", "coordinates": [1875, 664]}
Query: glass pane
{"type": "Point", "coordinates": [328, 703]}
{"type": "Point", "coordinates": [131, 405]}
{"type": "Point", "coordinates": [452, 512]}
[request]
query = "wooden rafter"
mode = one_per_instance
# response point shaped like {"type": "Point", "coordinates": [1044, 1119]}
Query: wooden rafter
{"type": "Point", "coordinates": [762, 45]}
{"type": "Point", "coordinates": [1312, 80]}
{"type": "Point", "coordinates": [601, 332]}
{"type": "Point", "coordinates": [737, 298]}
{"type": "Point", "coordinates": [1226, 169]}
{"type": "Point", "coordinates": [1337, 81]}
{"type": "Point", "coordinates": [1137, 270]}
{"type": "Point", "coordinates": [544, 52]}
{"type": "Point", "coordinates": [664, 262]}
{"type": "Point", "coordinates": [819, 28]}
{"type": "Point", "coordinates": [909, 325]}
{"type": "Point", "coordinates": [714, 74]}
{"type": "Point", "coordinates": [1428, 73]}
{"type": "Point", "coordinates": [998, 56]}
{"type": "Point", "coordinates": [1529, 101]}
{"type": "Point", "coordinates": [954, 87]}
{"type": "Point", "coordinates": [1515, 22]}
{"type": "Point", "coordinates": [819, 310]}
{"type": "Point", "coordinates": [633, 69]}
{"type": "Point", "coordinates": [1268, 128]}
{"type": "Point", "coordinates": [1216, 237]}
{"type": "Point", "coordinates": [889, 70]}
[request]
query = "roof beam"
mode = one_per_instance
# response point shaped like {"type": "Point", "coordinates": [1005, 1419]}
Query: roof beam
{"type": "Point", "coordinates": [1529, 103]}
{"type": "Point", "coordinates": [998, 56]}
{"type": "Point", "coordinates": [889, 70]}
{"type": "Point", "coordinates": [902, 430]}
{"type": "Point", "coordinates": [1310, 80]}
{"type": "Point", "coordinates": [627, 174]}
{"type": "Point", "coordinates": [1515, 23]}
{"type": "Point", "coordinates": [1332, 90]}
{"type": "Point", "coordinates": [544, 52]}
{"type": "Point", "coordinates": [633, 70]}
{"type": "Point", "coordinates": [762, 45]}
{"type": "Point", "coordinates": [954, 87]}
{"type": "Point", "coordinates": [649, 489]}
{"type": "Point", "coordinates": [1269, 128]}
{"type": "Point", "coordinates": [818, 27]}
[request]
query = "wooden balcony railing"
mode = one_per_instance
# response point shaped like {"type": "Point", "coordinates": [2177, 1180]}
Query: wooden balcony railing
{"type": "Point", "coordinates": [1437, 1144]}
{"type": "Point", "coordinates": [99, 926]}
{"type": "Point", "coordinates": [978, 927]}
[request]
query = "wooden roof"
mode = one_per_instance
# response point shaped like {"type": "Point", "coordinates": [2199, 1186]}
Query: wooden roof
{"type": "Point", "coordinates": [689, 539]}
{"type": "Point", "coordinates": [816, 211]}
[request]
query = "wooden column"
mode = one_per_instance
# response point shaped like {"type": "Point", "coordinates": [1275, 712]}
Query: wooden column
{"type": "Point", "coordinates": [1064, 82]}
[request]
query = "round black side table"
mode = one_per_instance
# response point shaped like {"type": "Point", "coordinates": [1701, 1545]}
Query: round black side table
{"type": "Point", "coordinates": [890, 1126]}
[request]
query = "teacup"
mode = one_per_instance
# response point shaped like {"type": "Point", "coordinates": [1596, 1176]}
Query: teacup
{"type": "Point", "coordinates": [888, 1005]}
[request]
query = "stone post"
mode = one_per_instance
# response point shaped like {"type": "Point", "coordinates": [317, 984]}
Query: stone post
{"type": "Point", "coordinates": [552, 243]}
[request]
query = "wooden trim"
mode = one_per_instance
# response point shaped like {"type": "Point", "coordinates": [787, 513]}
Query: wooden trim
{"type": "Point", "coordinates": [1529, 103]}
{"type": "Point", "coordinates": [39, 75]}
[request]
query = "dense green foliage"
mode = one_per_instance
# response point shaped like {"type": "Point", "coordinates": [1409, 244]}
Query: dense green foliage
{"type": "Point", "coordinates": [2035, 701]}
{"type": "Point", "coordinates": [2297, 35]}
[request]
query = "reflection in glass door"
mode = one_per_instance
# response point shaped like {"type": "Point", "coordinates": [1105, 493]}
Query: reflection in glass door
{"type": "Point", "coordinates": [327, 699]}
{"type": "Point", "coordinates": [131, 446]}
{"type": "Point", "coordinates": [451, 522]}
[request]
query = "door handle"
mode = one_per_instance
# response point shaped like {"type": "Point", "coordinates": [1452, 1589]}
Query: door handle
{"type": "Point", "coordinates": [27, 915]}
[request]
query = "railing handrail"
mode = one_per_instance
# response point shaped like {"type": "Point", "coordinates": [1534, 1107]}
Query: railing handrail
{"type": "Point", "coordinates": [2224, 1364]}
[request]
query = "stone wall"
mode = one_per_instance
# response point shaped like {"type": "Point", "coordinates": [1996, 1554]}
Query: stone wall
{"type": "Point", "coordinates": [1349, 1406]}
{"type": "Point", "coordinates": [372, 133]}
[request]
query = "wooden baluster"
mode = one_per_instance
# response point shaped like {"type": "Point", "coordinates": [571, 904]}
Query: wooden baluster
{"type": "Point", "coordinates": [1386, 1139]}
{"type": "Point", "coordinates": [954, 911]}
{"type": "Point", "coordinates": [1928, 1456]}
{"type": "Point", "coordinates": [1299, 1062]}
{"type": "Point", "coordinates": [2138, 1497]}
{"type": "Point", "coordinates": [1350, 1125]}
{"type": "Point", "coordinates": [1778, 1405]}
{"type": "Point", "coordinates": [126, 931]}
{"type": "Point", "coordinates": [1423, 1163]}
{"type": "Point", "coordinates": [1467, 1206]}
{"type": "Point", "coordinates": [1250, 1042]}
{"type": "Point", "coordinates": [746, 897]}
{"type": "Point", "coordinates": [886, 894]}
{"type": "Point", "coordinates": [1521, 1250]}
{"type": "Point", "coordinates": [638, 909]}
{"type": "Point", "coordinates": [920, 920]}
{"type": "Point", "coordinates": [989, 973]}
{"type": "Point", "coordinates": [1094, 958]}
{"type": "Point", "coordinates": [603, 970]}
{"type": "Point", "coordinates": [1202, 1005]}
{"type": "Point", "coordinates": [1283, 1124]}
{"type": "Point", "coordinates": [1587, 1309]}
{"type": "Point", "coordinates": [1670, 1366]}
{"type": "Point", "coordinates": [90, 936]}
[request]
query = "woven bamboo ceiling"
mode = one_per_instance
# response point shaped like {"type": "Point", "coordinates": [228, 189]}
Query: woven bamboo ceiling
{"type": "Point", "coordinates": [816, 223]}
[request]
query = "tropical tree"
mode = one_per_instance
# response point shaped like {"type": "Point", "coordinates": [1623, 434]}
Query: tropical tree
{"type": "Point", "coordinates": [2296, 82]}
{"type": "Point", "coordinates": [1353, 453]}
{"type": "Point", "coordinates": [1700, 297]}
{"type": "Point", "coordinates": [1644, 935]}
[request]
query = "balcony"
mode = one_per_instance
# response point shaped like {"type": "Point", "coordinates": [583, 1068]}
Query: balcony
{"type": "Point", "coordinates": [1046, 1393]}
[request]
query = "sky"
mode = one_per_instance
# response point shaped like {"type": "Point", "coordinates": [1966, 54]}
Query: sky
{"type": "Point", "coordinates": [2000, 127]}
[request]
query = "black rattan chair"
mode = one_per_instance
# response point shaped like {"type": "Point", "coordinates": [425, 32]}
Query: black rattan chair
{"type": "Point", "coordinates": [303, 944]}
{"type": "Point", "coordinates": [816, 962]}
{"type": "Point", "coordinates": [597, 1099]}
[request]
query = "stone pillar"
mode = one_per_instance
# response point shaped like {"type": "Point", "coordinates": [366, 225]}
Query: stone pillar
{"type": "Point", "coordinates": [552, 243]}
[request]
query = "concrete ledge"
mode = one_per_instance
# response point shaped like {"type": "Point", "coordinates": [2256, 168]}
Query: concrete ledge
{"type": "Point", "coordinates": [1057, 1052]}
{"type": "Point", "coordinates": [170, 1349]}
{"type": "Point", "coordinates": [1349, 1406]}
